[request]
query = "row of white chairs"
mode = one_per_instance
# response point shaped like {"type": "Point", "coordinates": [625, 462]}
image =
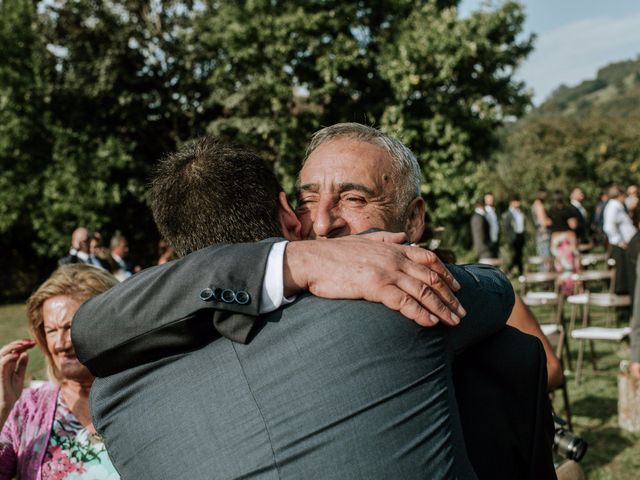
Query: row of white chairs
{"type": "Point", "coordinates": [583, 298]}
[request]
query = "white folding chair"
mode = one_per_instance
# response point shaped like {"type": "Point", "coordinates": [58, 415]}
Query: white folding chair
{"type": "Point", "coordinates": [494, 262]}
{"type": "Point", "coordinates": [584, 283]}
{"type": "Point", "coordinates": [549, 298]}
{"type": "Point", "coordinates": [590, 333]}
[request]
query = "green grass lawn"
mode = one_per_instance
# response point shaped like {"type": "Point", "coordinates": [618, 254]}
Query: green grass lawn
{"type": "Point", "coordinates": [613, 453]}
{"type": "Point", "coordinates": [13, 325]}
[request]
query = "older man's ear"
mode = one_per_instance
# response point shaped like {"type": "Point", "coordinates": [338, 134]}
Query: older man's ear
{"type": "Point", "coordinates": [289, 223]}
{"type": "Point", "coordinates": [414, 223]}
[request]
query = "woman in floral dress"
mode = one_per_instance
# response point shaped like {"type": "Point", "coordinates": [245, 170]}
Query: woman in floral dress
{"type": "Point", "coordinates": [47, 432]}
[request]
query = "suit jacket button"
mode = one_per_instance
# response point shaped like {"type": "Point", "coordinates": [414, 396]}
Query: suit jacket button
{"type": "Point", "coordinates": [207, 294]}
{"type": "Point", "coordinates": [242, 297]}
{"type": "Point", "coordinates": [228, 296]}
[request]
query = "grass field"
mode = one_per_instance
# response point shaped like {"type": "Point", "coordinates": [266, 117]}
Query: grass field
{"type": "Point", "coordinates": [613, 453]}
{"type": "Point", "coordinates": [13, 325]}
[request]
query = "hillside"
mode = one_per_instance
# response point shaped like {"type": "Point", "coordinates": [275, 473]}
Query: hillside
{"type": "Point", "coordinates": [615, 91]}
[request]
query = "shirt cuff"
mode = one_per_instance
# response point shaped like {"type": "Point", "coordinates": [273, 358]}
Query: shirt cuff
{"type": "Point", "coordinates": [272, 296]}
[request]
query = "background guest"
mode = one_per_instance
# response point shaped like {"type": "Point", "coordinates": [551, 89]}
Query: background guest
{"type": "Point", "coordinates": [494, 225]}
{"type": "Point", "coordinates": [166, 252]}
{"type": "Point", "coordinates": [564, 243]}
{"type": "Point", "coordinates": [47, 431]}
{"type": "Point", "coordinates": [79, 251]}
{"type": "Point", "coordinates": [480, 231]}
{"type": "Point", "coordinates": [582, 231]}
{"type": "Point", "coordinates": [120, 253]}
{"type": "Point", "coordinates": [598, 219]}
{"type": "Point", "coordinates": [513, 220]}
{"type": "Point", "coordinates": [619, 229]}
{"type": "Point", "coordinates": [542, 222]}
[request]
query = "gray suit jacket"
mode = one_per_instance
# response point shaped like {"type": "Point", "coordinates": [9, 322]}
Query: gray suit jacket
{"type": "Point", "coordinates": [326, 389]}
{"type": "Point", "coordinates": [159, 311]}
{"type": "Point", "coordinates": [480, 235]}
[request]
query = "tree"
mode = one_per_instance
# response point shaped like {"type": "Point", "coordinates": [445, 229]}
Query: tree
{"type": "Point", "coordinates": [93, 93]}
{"type": "Point", "coordinates": [278, 70]}
{"type": "Point", "coordinates": [562, 152]}
{"type": "Point", "coordinates": [453, 88]}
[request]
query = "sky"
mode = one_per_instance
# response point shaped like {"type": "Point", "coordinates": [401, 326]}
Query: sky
{"type": "Point", "coordinates": [574, 39]}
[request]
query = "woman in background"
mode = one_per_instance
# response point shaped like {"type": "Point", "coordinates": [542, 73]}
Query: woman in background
{"type": "Point", "coordinates": [564, 243]}
{"type": "Point", "coordinates": [542, 223]}
{"type": "Point", "coordinates": [47, 432]}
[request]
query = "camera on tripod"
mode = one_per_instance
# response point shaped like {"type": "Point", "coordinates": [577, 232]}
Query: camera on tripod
{"type": "Point", "coordinates": [565, 443]}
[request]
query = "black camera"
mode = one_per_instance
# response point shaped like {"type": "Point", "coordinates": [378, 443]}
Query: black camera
{"type": "Point", "coordinates": [566, 444]}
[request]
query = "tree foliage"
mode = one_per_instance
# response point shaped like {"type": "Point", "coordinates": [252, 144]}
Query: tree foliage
{"type": "Point", "coordinates": [562, 152]}
{"type": "Point", "coordinates": [585, 136]}
{"type": "Point", "coordinates": [93, 93]}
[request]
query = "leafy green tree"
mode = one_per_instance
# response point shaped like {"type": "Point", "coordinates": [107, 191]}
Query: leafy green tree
{"type": "Point", "coordinates": [562, 152]}
{"type": "Point", "coordinates": [279, 70]}
{"type": "Point", "coordinates": [453, 88]}
{"type": "Point", "coordinates": [93, 93]}
{"type": "Point", "coordinates": [25, 144]}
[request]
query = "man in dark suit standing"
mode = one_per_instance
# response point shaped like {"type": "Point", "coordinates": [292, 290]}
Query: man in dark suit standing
{"type": "Point", "coordinates": [514, 224]}
{"type": "Point", "coordinates": [582, 230]}
{"type": "Point", "coordinates": [326, 389]}
{"type": "Point", "coordinates": [480, 232]}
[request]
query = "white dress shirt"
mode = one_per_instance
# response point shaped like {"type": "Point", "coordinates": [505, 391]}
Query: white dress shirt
{"type": "Point", "coordinates": [518, 218]}
{"type": "Point", "coordinates": [617, 223]}
{"type": "Point", "coordinates": [580, 208]}
{"type": "Point", "coordinates": [272, 296]}
{"type": "Point", "coordinates": [494, 225]}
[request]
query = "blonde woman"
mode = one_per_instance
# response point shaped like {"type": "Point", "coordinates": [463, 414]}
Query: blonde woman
{"type": "Point", "coordinates": [47, 431]}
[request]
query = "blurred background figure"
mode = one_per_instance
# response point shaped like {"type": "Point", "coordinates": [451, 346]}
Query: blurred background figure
{"type": "Point", "coordinates": [598, 219]}
{"type": "Point", "coordinates": [582, 230]}
{"type": "Point", "coordinates": [494, 225]}
{"type": "Point", "coordinates": [631, 203]}
{"type": "Point", "coordinates": [166, 252]}
{"type": "Point", "coordinates": [542, 222]}
{"type": "Point", "coordinates": [47, 431]}
{"type": "Point", "coordinates": [564, 243]}
{"type": "Point", "coordinates": [120, 254]}
{"type": "Point", "coordinates": [514, 222]}
{"type": "Point", "coordinates": [98, 255]}
{"type": "Point", "coordinates": [79, 251]}
{"type": "Point", "coordinates": [619, 229]}
{"type": "Point", "coordinates": [480, 231]}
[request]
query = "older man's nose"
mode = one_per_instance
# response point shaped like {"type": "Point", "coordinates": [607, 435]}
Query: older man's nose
{"type": "Point", "coordinates": [327, 220]}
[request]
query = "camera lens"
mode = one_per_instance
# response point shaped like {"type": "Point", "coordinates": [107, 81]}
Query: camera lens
{"type": "Point", "coordinates": [570, 446]}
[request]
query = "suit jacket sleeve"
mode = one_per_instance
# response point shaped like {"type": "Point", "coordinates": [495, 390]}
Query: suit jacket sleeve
{"type": "Point", "coordinates": [487, 296]}
{"type": "Point", "coordinates": [159, 311]}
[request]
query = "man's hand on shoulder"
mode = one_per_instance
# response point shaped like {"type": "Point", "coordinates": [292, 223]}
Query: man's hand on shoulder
{"type": "Point", "coordinates": [377, 268]}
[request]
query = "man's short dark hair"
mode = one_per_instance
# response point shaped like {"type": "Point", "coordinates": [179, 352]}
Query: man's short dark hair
{"type": "Point", "coordinates": [212, 191]}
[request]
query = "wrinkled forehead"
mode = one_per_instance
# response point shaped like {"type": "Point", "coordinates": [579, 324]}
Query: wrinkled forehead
{"type": "Point", "coordinates": [59, 310]}
{"type": "Point", "coordinates": [344, 161]}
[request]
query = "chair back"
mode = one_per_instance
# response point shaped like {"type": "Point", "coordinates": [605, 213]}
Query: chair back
{"type": "Point", "coordinates": [584, 279]}
{"type": "Point", "coordinates": [591, 260]}
{"type": "Point", "coordinates": [540, 279]}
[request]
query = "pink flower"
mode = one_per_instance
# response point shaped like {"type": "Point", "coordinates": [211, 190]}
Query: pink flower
{"type": "Point", "coordinates": [60, 465]}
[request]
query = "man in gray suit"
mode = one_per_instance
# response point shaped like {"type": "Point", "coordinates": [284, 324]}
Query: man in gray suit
{"type": "Point", "coordinates": [480, 232]}
{"type": "Point", "coordinates": [325, 389]}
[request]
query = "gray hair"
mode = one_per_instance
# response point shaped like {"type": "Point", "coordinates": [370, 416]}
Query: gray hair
{"type": "Point", "coordinates": [405, 170]}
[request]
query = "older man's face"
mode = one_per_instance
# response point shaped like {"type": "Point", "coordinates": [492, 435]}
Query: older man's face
{"type": "Point", "coordinates": [346, 188]}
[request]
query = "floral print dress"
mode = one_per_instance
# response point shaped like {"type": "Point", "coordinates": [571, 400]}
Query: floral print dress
{"type": "Point", "coordinates": [73, 452]}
